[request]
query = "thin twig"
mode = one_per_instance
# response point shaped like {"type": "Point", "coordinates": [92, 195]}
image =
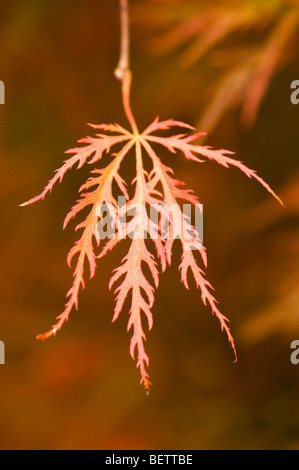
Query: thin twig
{"type": "Point", "coordinates": [124, 61]}
{"type": "Point", "coordinates": [123, 72]}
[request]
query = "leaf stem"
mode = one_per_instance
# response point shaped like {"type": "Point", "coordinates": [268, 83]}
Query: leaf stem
{"type": "Point", "coordinates": [123, 72]}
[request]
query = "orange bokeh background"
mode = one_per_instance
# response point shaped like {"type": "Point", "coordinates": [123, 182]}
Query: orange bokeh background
{"type": "Point", "coordinates": [80, 390]}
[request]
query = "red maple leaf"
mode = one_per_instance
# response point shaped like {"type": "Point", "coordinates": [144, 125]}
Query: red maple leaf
{"type": "Point", "coordinates": [140, 226]}
{"type": "Point", "coordinates": [132, 219]}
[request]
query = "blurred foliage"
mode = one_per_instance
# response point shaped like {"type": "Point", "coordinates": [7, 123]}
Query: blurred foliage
{"type": "Point", "coordinates": [80, 390]}
{"type": "Point", "coordinates": [280, 314]}
{"type": "Point", "coordinates": [242, 44]}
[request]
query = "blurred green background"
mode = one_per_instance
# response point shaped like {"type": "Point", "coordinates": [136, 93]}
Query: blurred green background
{"type": "Point", "coordinates": [80, 390]}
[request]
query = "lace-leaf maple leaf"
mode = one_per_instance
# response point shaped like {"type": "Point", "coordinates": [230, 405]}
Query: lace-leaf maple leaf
{"type": "Point", "coordinates": [134, 282]}
{"type": "Point", "coordinates": [132, 219]}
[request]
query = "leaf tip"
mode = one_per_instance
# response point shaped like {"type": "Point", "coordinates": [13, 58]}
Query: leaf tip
{"type": "Point", "coordinates": [45, 336]}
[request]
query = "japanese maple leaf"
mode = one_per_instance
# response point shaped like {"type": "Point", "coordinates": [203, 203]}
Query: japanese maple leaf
{"type": "Point", "coordinates": [171, 224]}
{"type": "Point", "coordinates": [157, 190]}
